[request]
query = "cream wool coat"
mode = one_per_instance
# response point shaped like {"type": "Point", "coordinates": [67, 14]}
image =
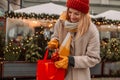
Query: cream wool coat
{"type": "Point", "coordinates": [85, 51]}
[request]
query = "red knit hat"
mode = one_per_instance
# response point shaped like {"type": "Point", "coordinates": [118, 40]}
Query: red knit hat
{"type": "Point", "coordinates": [80, 5]}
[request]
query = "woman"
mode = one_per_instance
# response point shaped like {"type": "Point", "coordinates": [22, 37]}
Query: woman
{"type": "Point", "coordinates": [84, 44]}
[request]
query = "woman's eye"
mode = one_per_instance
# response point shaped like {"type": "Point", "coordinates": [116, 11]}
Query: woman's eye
{"type": "Point", "coordinates": [69, 12]}
{"type": "Point", "coordinates": [77, 14]}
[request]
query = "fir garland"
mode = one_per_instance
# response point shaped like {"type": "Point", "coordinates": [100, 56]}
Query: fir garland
{"type": "Point", "coordinates": [23, 15]}
{"type": "Point", "coordinates": [98, 21]}
{"type": "Point", "coordinates": [103, 21]}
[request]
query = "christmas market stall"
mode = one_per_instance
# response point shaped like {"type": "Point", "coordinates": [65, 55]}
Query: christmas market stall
{"type": "Point", "coordinates": [27, 34]}
{"type": "Point", "coordinates": [30, 21]}
{"type": "Point", "coordinates": [108, 24]}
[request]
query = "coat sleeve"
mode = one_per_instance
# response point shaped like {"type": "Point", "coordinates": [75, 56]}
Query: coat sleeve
{"type": "Point", "coordinates": [56, 31]}
{"type": "Point", "coordinates": [92, 56]}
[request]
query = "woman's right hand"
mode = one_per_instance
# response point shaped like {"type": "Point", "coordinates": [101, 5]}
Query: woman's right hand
{"type": "Point", "coordinates": [53, 44]}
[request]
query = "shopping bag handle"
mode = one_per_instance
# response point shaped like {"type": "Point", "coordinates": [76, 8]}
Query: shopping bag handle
{"type": "Point", "coordinates": [46, 54]}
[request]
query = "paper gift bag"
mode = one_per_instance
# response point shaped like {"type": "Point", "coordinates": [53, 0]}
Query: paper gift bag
{"type": "Point", "coordinates": [65, 46]}
{"type": "Point", "coordinates": [46, 70]}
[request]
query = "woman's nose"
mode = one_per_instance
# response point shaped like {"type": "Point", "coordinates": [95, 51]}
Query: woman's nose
{"type": "Point", "coordinates": [72, 16]}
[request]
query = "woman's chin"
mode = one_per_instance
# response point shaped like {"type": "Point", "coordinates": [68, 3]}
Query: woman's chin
{"type": "Point", "coordinates": [74, 21]}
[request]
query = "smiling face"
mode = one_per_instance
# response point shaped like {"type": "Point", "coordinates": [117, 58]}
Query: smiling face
{"type": "Point", "coordinates": [74, 15]}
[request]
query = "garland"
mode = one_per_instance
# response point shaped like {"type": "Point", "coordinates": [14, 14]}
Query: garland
{"type": "Point", "coordinates": [23, 15]}
{"type": "Point", "coordinates": [103, 21]}
{"type": "Point", "coordinates": [98, 21]}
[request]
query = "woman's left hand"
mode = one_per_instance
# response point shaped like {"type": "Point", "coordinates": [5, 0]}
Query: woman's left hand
{"type": "Point", "coordinates": [62, 63]}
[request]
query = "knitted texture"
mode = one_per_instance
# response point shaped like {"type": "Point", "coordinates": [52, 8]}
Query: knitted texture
{"type": "Point", "coordinates": [80, 5]}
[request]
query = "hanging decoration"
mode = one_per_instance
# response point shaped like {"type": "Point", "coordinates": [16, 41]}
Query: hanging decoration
{"type": "Point", "coordinates": [103, 21]}
{"type": "Point", "coordinates": [98, 21]}
{"type": "Point", "coordinates": [23, 15]}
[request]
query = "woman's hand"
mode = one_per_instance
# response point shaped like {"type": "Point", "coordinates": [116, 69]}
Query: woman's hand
{"type": "Point", "coordinates": [62, 63]}
{"type": "Point", "coordinates": [53, 44]}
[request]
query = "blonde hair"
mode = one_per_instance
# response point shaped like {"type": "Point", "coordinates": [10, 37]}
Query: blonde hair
{"type": "Point", "coordinates": [84, 24]}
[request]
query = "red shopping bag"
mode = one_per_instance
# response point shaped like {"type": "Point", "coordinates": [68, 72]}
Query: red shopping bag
{"type": "Point", "coordinates": [46, 70]}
